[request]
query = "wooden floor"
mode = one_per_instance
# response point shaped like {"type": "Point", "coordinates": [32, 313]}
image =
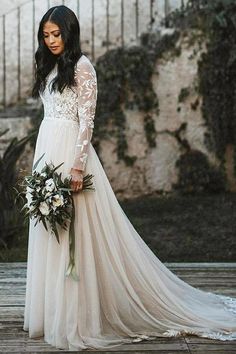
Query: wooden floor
{"type": "Point", "coordinates": [217, 277]}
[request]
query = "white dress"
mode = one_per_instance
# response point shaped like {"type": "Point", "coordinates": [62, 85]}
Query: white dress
{"type": "Point", "coordinates": [124, 293]}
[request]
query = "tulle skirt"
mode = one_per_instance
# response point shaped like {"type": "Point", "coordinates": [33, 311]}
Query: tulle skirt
{"type": "Point", "coordinates": [124, 293]}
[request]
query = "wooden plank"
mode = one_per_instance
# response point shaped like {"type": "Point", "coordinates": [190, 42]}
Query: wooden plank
{"type": "Point", "coordinates": [200, 340]}
{"type": "Point", "coordinates": [219, 278]}
{"type": "Point", "coordinates": [49, 350]}
{"type": "Point", "coordinates": [219, 351]}
{"type": "Point", "coordinates": [205, 348]}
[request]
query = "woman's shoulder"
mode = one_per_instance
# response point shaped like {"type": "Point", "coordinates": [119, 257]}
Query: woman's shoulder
{"type": "Point", "coordinates": [84, 63]}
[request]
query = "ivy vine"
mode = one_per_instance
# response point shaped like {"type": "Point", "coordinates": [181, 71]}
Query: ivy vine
{"type": "Point", "coordinates": [217, 84]}
{"type": "Point", "coordinates": [124, 83]}
{"type": "Point", "coordinates": [214, 22]}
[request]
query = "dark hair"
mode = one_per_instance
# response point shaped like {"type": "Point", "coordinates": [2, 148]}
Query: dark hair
{"type": "Point", "coordinates": [69, 27]}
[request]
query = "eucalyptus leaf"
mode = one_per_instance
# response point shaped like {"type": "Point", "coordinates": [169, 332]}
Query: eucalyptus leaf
{"type": "Point", "coordinates": [37, 162]}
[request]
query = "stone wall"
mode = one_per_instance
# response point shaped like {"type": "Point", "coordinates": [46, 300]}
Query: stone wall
{"type": "Point", "coordinates": [17, 127]}
{"type": "Point", "coordinates": [155, 168]}
{"type": "Point", "coordinates": [132, 28]}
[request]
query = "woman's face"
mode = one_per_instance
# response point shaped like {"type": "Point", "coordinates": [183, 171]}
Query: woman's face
{"type": "Point", "coordinates": [52, 38]}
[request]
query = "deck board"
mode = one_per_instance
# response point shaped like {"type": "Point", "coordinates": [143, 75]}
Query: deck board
{"type": "Point", "coordinates": [217, 277]}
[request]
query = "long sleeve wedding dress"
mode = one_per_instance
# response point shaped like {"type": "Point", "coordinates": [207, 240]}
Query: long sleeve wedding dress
{"type": "Point", "coordinates": [124, 293]}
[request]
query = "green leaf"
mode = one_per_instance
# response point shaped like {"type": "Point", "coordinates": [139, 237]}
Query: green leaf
{"type": "Point", "coordinates": [37, 162]}
{"type": "Point", "coordinates": [44, 223]}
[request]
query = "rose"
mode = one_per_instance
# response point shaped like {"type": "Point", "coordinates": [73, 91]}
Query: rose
{"type": "Point", "coordinates": [57, 200]}
{"type": "Point", "coordinates": [44, 209]}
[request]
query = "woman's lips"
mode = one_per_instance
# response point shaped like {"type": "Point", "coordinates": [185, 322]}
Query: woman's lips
{"type": "Point", "coordinates": [53, 48]}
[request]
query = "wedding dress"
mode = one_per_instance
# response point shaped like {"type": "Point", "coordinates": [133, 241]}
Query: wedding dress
{"type": "Point", "coordinates": [124, 293]}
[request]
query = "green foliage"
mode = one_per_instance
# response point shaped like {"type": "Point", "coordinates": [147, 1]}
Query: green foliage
{"type": "Point", "coordinates": [217, 83]}
{"type": "Point", "coordinates": [179, 227]}
{"type": "Point", "coordinates": [35, 121]}
{"type": "Point", "coordinates": [196, 174]}
{"type": "Point", "coordinates": [150, 131]}
{"type": "Point", "coordinates": [215, 24]}
{"type": "Point", "coordinates": [124, 82]}
{"type": "Point", "coordinates": [184, 93]}
{"type": "Point", "coordinates": [11, 222]}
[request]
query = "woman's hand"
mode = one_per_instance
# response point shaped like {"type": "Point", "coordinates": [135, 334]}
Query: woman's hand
{"type": "Point", "coordinates": [77, 179]}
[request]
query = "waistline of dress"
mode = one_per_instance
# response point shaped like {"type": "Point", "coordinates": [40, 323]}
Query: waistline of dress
{"type": "Point", "coordinates": [45, 118]}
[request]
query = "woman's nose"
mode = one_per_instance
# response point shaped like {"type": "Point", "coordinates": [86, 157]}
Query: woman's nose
{"type": "Point", "coordinates": [51, 39]}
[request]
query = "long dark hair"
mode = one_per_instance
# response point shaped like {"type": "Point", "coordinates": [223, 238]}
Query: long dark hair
{"type": "Point", "coordinates": [69, 27]}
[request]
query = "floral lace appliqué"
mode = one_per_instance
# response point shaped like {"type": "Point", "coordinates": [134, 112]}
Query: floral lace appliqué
{"type": "Point", "coordinates": [75, 104]}
{"type": "Point", "coordinates": [86, 80]}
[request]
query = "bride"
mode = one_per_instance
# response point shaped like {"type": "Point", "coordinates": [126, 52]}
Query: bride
{"type": "Point", "coordinates": [124, 293]}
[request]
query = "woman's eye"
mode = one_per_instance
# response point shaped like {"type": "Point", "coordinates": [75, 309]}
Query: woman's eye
{"type": "Point", "coordinates": [55, 35]}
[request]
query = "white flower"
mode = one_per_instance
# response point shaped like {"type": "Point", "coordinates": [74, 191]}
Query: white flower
{"type": "Point", "coordinates": [49, 185]}
{"type": "Point", "coordinates": [29, 195]}
{"type": "Point", "coordinates": [57, 200]}
{"type": "Point", "coordinates": [43, 174]}
{"type": "Point", "coordinates": [44, 209]}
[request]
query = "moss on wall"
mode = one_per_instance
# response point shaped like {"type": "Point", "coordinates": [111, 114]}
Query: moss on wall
{"type": "Point", "coordinates": [125, 82]}
{"type": "Point", "coordinates": [213, 23]}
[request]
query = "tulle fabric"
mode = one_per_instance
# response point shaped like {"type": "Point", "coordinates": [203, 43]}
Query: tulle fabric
{"type": "Point", "coordinates": [125, 294]}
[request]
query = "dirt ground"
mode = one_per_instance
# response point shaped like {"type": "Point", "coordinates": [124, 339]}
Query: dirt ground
{"type": "Point", "coordinates": [187, 228]}
{"type": "Point", "coordinates": [177, 228]}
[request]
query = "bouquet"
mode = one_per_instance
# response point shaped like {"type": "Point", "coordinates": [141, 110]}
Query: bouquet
{"type": "Point", "coordinates": [50, 200]}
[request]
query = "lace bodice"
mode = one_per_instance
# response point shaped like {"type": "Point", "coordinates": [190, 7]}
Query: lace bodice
{"type": "Point", "coordinates": [76, 104]}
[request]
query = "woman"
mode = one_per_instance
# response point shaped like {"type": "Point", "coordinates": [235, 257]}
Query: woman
{"type": "Point", "coordinates": [124, 293]}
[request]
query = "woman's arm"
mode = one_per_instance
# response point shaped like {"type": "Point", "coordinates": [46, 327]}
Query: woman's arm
{"type": "Point", "coordinates": [86, 84]}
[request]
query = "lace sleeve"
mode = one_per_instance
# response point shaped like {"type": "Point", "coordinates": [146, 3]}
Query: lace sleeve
{"type": "Point", "coordinates": [86, 83]}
